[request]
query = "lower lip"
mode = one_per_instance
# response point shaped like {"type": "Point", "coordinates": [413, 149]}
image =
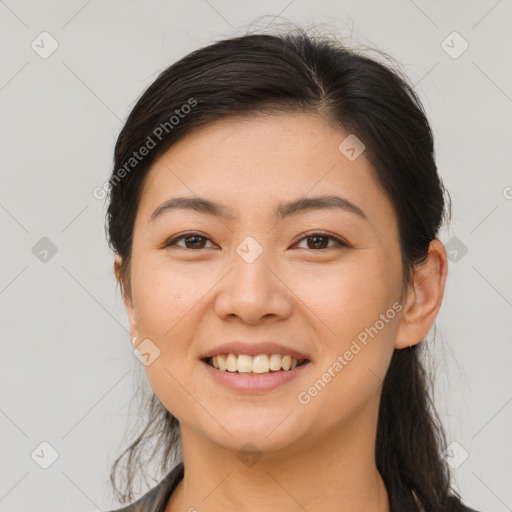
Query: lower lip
{"type": "Point", "coordinates": [255, 383]}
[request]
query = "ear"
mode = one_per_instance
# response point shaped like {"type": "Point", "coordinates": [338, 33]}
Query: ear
{"type": "Point", "coordinates": [423, 297]}
{"type": "Point", "coordinates": [127, 298]}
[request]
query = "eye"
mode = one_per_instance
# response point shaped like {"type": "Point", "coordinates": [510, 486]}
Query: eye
{"type": "Point", "coordinates": [321, 240]}
{"type": "Point", "coordinates": [191, 241]}
{"type": "Point", "coordinates": [316, 241]}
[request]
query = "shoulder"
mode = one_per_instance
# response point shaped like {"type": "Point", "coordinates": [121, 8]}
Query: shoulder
{"type": "Point", "coordinates": [156, 498]}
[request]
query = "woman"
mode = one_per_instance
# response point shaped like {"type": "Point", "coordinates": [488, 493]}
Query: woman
{"type": "Point", "coordinates": [273, 209]}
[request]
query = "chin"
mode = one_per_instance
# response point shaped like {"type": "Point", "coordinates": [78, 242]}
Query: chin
{"type": "Point", "coordinates": [268, 434]}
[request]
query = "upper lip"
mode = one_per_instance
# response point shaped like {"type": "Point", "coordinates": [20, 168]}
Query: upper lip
{"type": "Point", "coordinates": [253, 349]}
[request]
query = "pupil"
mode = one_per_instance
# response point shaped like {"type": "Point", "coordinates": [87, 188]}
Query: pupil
{"type": "Point", "coordinates": [198, 241]}
{"type": "Point", "coordinates": [316, 238]}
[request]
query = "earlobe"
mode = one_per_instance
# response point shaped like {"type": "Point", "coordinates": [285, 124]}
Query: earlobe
{"type": "Point", "coordinates": [424, 297]}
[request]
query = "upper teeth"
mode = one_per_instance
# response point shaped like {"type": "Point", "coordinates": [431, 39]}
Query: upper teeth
{"type": "Point", "coordinates": [258, 364]}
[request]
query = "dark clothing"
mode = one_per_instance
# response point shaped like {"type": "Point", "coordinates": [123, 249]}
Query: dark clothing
{"type": "Point", "coordinates": [156, 499]}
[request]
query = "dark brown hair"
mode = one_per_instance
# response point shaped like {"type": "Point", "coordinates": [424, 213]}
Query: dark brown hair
{"type": "Point", "coordinates": [294, 72]}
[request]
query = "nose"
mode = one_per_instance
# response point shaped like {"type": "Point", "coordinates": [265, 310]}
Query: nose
{"type": "Point", "coordinates": [253, 292]}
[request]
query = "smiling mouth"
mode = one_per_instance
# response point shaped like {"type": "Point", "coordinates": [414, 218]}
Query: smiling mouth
{"type": "Point", "coordinates": [258, 365]}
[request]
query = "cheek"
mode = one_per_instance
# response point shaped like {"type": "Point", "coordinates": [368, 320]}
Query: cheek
{"type": "Point", "coordinates": [166, 313]}
{"type": "Point", "coordinates": [165, 297]}
{"type": "Point", "coordinates": [355, 314]}
{"type": "Point", "coordinates": [167, 304]}
{"type": "Point", "coordinates": [349, 296]}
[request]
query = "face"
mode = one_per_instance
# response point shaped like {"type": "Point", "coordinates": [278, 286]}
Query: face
{"type": "Point", "coordinates": [323, 281]}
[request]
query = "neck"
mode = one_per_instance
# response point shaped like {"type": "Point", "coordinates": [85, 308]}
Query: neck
{"type": "Point", "coordinates": [338, 473]}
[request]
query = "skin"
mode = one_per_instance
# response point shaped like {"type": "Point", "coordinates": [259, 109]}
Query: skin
{"type": "Point", "coordinates": [318, 456]}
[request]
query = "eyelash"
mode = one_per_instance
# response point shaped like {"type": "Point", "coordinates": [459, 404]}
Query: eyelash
{"type": "Point", "coordinates": [339, 242]}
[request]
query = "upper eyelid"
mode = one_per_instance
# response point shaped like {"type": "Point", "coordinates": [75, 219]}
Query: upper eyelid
{"type": "Point", "coordinates": [339, 240]}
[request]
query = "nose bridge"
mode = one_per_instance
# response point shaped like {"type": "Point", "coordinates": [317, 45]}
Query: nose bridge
{"type": "Point", "coordinates": [251, 273]}
{"type": "Point", "coordinates": [252, 291]}
{"type": "Point", "coordinates": [250, 250]}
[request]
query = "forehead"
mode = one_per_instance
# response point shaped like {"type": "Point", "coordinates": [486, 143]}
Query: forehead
{"type": "Point", "coordinates": [251, 164]}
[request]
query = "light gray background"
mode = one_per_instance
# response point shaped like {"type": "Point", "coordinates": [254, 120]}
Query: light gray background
{"type": "Point", "coordinates": [67, 370]}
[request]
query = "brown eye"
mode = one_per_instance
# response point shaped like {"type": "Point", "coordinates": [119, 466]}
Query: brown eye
{"type": "Point", "coordinates": [321, 241]}
{"type": "Point", "coordinates": [191, 241]}
{"type": "Point", "coordinates": [314, 241]}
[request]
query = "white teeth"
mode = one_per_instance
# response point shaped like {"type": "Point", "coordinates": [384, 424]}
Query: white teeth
{"type": "Point", "coordinates": [231, 363]}
{"type": "Point", "coordinates": [244, 364]}
{"type": "Point", "coordinates": [275, 362]}
{"type": "Point", "coordinates": [262, 363]}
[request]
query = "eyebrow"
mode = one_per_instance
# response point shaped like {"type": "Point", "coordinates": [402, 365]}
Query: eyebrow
{"type": "Point", "coordinates": [282, 210]}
